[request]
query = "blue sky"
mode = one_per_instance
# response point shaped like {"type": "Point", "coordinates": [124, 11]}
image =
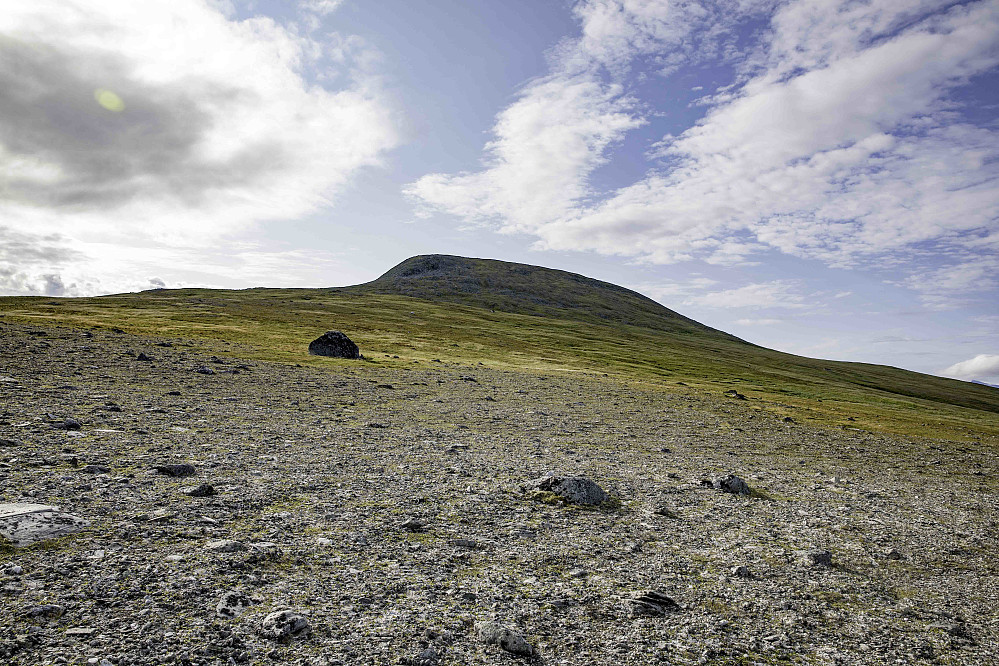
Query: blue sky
{"type": "Point", "coordinates": [814, 176]}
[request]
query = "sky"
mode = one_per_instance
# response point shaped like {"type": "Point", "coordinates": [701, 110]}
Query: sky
{"type": "Point", "coordinates": [815, 176]}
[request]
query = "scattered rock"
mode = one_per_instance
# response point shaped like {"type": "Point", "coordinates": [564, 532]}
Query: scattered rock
{"type": "Point", "coordinates": [204, 370]}
{"type": "Point", "coordinates": [13, 570]}
{"type": "Point", "coordinates": [652, 603]}
{"type": "Point", "coordinates": [493, 633]}
{"type": "Point", "coordinates": [24, 524]}
{"type": "Point", "coordinates": [427, 657]}
{"type": "Point", "coordinates": [741, 571]}
{"type": "Point", "coordinates": [893, 554]}
{"type": "Point", "coordinates": [144, 357]}
{"type": "Point", "coordinates": [182, 469]}
{"type": "Point", "coordinates": [204, 490]}
{"type": "Point", "coordinates": [11, 443]}
{"type": "Point", "coordinates": [96, 469]}
{"type": "Point", "coordinates": [572, 489]}
{"type": "Point", "coordinates": [284, 625]}
{"type": "Point", "coordinates": [334, 344]}
{"type": "Point", "coordinates": [729, 483]}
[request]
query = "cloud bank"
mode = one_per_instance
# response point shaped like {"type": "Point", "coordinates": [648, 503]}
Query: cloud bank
{"type": "Point", "coordinates": [981, 367]}
{"type": "Point", "coordinates": [843, 137]}
{"type": "Point", "coordinates": [165, 124]}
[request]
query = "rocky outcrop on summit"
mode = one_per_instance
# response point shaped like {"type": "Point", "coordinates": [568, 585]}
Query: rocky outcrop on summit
{"type": "Point", "coordinates": [334, 344]}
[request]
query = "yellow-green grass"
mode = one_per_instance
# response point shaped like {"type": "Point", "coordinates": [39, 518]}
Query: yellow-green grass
{"type": "Point", "coordinates": [277, 325]}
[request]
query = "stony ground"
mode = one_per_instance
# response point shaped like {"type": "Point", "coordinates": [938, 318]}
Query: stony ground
{"type": "Point", "coordinates": [384, 509]}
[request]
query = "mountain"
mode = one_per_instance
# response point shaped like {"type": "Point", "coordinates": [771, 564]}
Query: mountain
{"type": "Point", "coordinates": [529, 290]}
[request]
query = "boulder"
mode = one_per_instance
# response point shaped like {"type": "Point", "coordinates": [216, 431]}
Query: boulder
{"type": "Point", "coordinates": [572, 489]}
{"type": "Point", "coordinates": [25, 524]}
{"type": "Point", "coordinates": [334, 344]}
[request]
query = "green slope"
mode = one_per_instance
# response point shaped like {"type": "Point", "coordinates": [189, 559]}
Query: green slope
{"type": "Point", "coordinates": [530, 290]}
{"type": "Point", "coordinates": [530, 319]}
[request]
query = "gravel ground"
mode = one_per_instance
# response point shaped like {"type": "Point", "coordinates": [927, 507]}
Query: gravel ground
{"type": "Point", "coordinates": [386, 511]}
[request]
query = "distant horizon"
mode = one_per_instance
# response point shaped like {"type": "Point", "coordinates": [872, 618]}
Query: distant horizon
{"type": "Point", "coordinates": [813, 177]}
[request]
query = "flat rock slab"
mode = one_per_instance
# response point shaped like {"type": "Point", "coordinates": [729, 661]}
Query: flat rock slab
{"type": "Point", "coordinates": [25, 524]}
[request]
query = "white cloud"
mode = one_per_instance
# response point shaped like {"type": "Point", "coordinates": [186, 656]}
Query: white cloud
{"type": "Point", "coordinates": [948, 287]}
{"type": "Point", "coordinates": [981, 367]}
{"type": "Point", "coordinates": [776, 294]}
{"type": "Point", "coordinates": [839, 141]}
{"type": "Point", "coordinates": [219, 130]}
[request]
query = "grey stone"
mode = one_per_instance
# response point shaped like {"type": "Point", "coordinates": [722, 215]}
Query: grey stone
{"type": "Point", "coordinates": [334, 344]}
{"type": "Point", "coordinates": [204, 490]}
{"type": "Point", "coordinates": [47, 611]}
{"type": "Point", "coordinates": [182, 469]}
{"type": "Point", "coordinates": [96, 469]}
{"type": "Point", "coordinates": [493, 633]}
{"type": "Point", "coordinates": [225, 546]}
{"type": "Point", "coordinates": [24, 524]}
{"type": "Point", "coordinates": [730, 483]}
{"type": "Point", "coordinates": [741, 571]}
{"type": "Point", "coordinates": [817, 557]}
{"type": "Point", "coordinates": [573, 489]}
{"type": "Point", "coordinates": [284, 625]}
{"type": "Point", "coordinates": [232, 604]}
{"type": "Point", "coordinates": [69, 423]}
{"type": "Point", "coordinates": [204, 370]}
{"type": "Point", "coordinates": [652, 603]}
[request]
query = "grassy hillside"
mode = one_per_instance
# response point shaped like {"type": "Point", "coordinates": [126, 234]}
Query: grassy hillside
{"type": "Point", "coordinates": [399, 331]}
{"type": "Point", "coordinates": [530, 290]}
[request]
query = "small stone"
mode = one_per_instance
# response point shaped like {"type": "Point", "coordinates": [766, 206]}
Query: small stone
{"type": "Point", "coordinates": [13, 570]}
{"type": "Point", "coordinates": [144, 357]}
{"type": "Point", "coordinates": [818, 557]}
{"type": "Point", "coordinates": [465, 543]}
{"type": "Point", "coordinates": [893, 554]}
{"type": "Point", "coordinates": [183, 469]}
{"type": "Point", "coordinates": [47, 611]}
{"type": "Point", "coordinates": [284, 625]}
{"type": "Point", "coordinates": [160, 516]}
{"type": "Point", "coordinates": [427, 657]}
{"type": "Point", "coordinates": [96, 469]}
{"type": "Point", "coordinates": [80, 632]}
{"type": "Point", "coordinates": [741, 571]}
{"type": "Point", "coordinates": [730, 483]}
{"type": "Point", "coordinates": [69, 423]}
{"type": "Point", "coordinates": [652, 603]}
{"type": "Point", "coordinates": [413, 525]}
{"type": "Point", "coordinates": [572, 489]}
{"type": "Point", "coordinates": [204, 370]}
{"type": "Point", "coordinates": [493, 633]}
{"type": "Point", "coordinates": [204, 490]}
{"type": "Point", "coordinates": [232, 604]}
{"type": "Point", "coordinates": [225, 546]}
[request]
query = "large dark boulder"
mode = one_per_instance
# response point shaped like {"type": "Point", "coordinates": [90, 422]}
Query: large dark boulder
{"type": "Point", "coordinates": [335, 344]}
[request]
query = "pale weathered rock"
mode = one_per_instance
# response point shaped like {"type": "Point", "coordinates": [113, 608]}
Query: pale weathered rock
{"type": "Point", "coordinates": [493, 633]}
{"type": "Point", "coordinates": [24, 524]}
{"type": "Point", "coordinates": [285, 624]}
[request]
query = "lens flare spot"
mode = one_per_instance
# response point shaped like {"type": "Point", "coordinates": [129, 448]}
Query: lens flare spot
{"type": "Point", "coordinates": [109, 100]}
